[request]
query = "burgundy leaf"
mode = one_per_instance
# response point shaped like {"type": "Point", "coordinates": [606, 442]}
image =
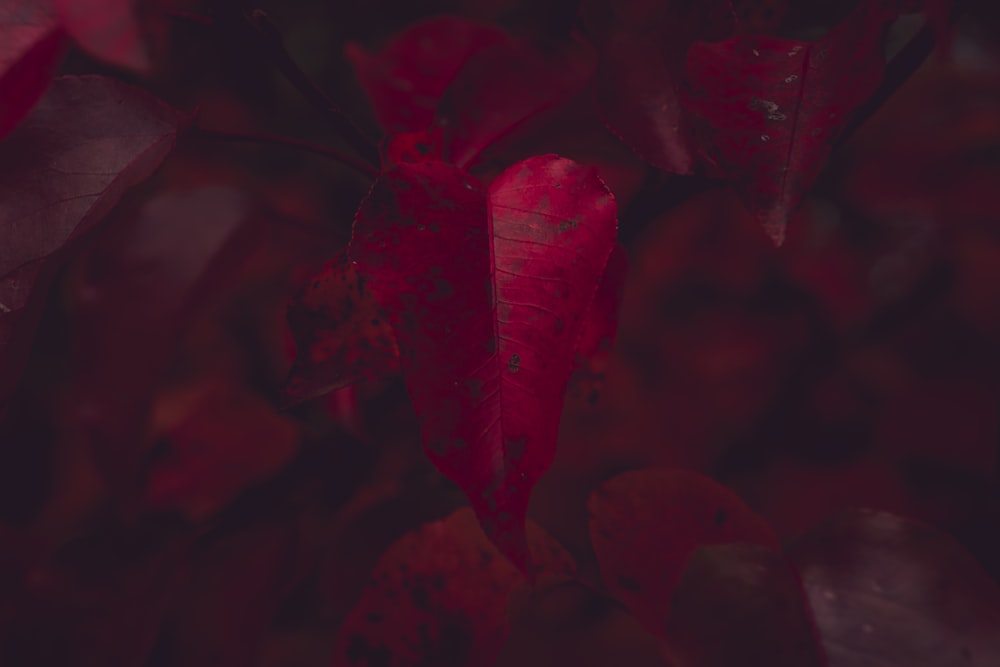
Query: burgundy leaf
{"type": "Point", "coordinates": [766, 112]}
{"type": "Point", "coordinates": [600, 326]}
{"type": "Point", "coordinates": [645, 525]}
{"type": "Point", "coordinates": [130, 301]}
{"type": "Point", "coordinates": [341, 334]}
{"type": "Point", "coordinates": [236, 588]}
{"type": "Point", "coordinates": [405, 80]}
{"type": "Point", "coordinates": [502, 87]}
{"type": "Point", "coordinates": [888, 591]}
{"type": "Point", "coordinates": [106, 29]}
{"type": "Point", "coordinates": [740, 604]}
{"type": "Point", "coordinates": [642, 45]}
{"type": "Point", "coordinates": [218, 441]}
{"type": "Point", "coordinates": [438, 596]}
{"type": "Point", "coordinates": [61, 172]}
{"type": "Point", "coordinates": [485, 292]}
{"type": "Point", "coordinates": [31, 46]}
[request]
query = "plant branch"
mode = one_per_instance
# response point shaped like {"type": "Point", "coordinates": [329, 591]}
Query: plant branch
{"type": "Point", "coordinates": [346, 159]}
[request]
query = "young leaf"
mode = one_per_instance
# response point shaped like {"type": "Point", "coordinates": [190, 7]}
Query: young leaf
{"type": "Point", "coordinates": [62, 171]}
{"type": "Point", "coordinates": [642, 44]}
{"type": "Point", "coordinates": [740, 604]}
{"type": "Point", "coordinates": [645, 525]}
{"type": "Point", "coordinates": [485, 293]}
{"type": "Point", "coordinates": [405, 80]}
{"type": "Point", "coordinates": [766, 111]}
{"type": "Point", "coordinates": [106, 29]}
{"type": "Point", "coordinates": [438, 596]}
{"type": "Point", "coordinates": [885, 590]}
{"type": "Point", "coordinates": [341, 334]}
{"type": "Point", "coordinates": [31, 46]}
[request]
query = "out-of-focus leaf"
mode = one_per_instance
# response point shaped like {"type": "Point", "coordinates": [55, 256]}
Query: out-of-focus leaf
{"type": "Point", "coordinates": [341, 334]}
{"type": "Point", "coordinates": [740, 604]}
{"type": "Point", "coordinates": [405, 79]}
{"type": "Point", "coordinates": [219, 441]}
{"type": "Point", "coordinates": [888, 591]}
{"type": "Point", "coordinates": [61, 172]}
{"type": "Point", "coordinates": [31, 45]}
{"type": "Point", "coordinates": [135, 291]}
{"type": "Point", "coordinates": [438, 596]}
{"type": "Point", "coordinates": [645, 525]}
{"type": "Point", "coordinates": [766, 112]}
{"type": "Point", "coordinates": [106, 29]}
{"type": "Point", "coordinates": [486, 292]}
{"type": "Point", "coordinates": [641, 46]}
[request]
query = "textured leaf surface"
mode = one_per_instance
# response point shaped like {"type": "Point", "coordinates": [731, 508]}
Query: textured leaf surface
{"type": "Point", "coordinates": [438, 596]}
{"type": "Point", "coordinates": [31, 46]}
{"type": "Point", "coordinates": [765, 112]}
{"type": "Point", "coordinates": [405, 79]}
{"type": "Point", "coordinates": [887, 591]}
{"type": "Point", "coordinates": [63, 170]}
{"type": "Point", "coordinates": [642, 45]}
{"type": "Point", "coordinates": [106, 29]}
{"type": "Point", "coordinates": [645, 525]}
{"type": "Point", "coordinates": [740, 604]}
{"type": "Point", "coordinates": [485, 292]}
{"type": "Point", "coordinates": [341, 334]}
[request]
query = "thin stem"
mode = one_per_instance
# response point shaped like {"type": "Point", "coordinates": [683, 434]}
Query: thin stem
{"type": "Point", "coordinates": [346, 159]}
{"type": "Point", "coordinates": [267, 35]}
{"type": "Point", "coordinates": [258, 28]}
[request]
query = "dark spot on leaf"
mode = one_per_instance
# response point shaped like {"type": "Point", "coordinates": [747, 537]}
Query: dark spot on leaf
{"type": "Point", "coordinates": [374, 617]}
{"type": "Point", "coordinates": [720, 518]}
{"type": "Point", "coordinates": [421, 598]}
{"type": "Point", "coordinates": [628, 583]}
{"type": "Point", "coordinates": [514, 365]}
{"type": "Point", "coordinates": [438, 582]}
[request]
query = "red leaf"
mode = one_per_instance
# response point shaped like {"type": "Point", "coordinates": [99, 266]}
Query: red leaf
{"type": "Point", "coordinates": [600, 326]}
{"type": "Point", "coordinates": [136, 290]}
{"type": "Point", "coordinates": [220, 440]}
{"type": "Point", "coordinates": [405, 80]}
{"type": "Point", "coordinates": [485, 291]}
{"type": "Point", "coordinates": [502, 87]}
{"type": "Point", "coordinates": [642, 44]}
{"type": "Point", "coordinates": [341, 334]}
{"type": "Point", "coordinates": [31, 46]}
{"type": "Point", "coordinates": [645, 525]}
{"type": "Point", "coordinates": [438, 596]}
{"type": "Point", "coordinates": [740, 604]}
{"type": "Point", "coordinates": [106, 29]}
{"type": "Point", "coordinates": [885, 590]}
{"type": "Point", "coordinates": [766, 111]}
{"type": "Point", "coordinates": [61, 172]}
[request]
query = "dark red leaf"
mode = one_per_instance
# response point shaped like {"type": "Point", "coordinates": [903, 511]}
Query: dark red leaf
{"type": "Point", "coordinates": [645, 525]}
{"type": "Point", "coordinates": [61, 172]}
{"type": "Point", "coordinates": [888, 591]}
{"type": "Point", "coordinates": [642, 44]}
{"type": "Point", "coordinates": [341, 334]}
{"type": "Point", "coordinates": [438, 596]}
{"type": "Point", "coordinates": [766, 111]}
{"type": "Point", "coordinates": [485, 292]}
{"type": "Point", "coordinates": [740, 604]}
{"type": "Point", "coordinates": [237, 586]}
{"type": "Point", "coordinates": [106, 29]}
{"type": "Point", "coordinates": [405, 79]}
{"type": "Point", "coordinates": [600, 326]}
{"type": "Point", "coordinates": [31, 46]}
{"type": "Point", "coordinates": [502, 87]}
{"type": "Point", "coordinates": [759, 17]}
{"type": "Point", "coordinates": [129, 304]}
{"type": "Point", "coordinates": [219, 440]}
